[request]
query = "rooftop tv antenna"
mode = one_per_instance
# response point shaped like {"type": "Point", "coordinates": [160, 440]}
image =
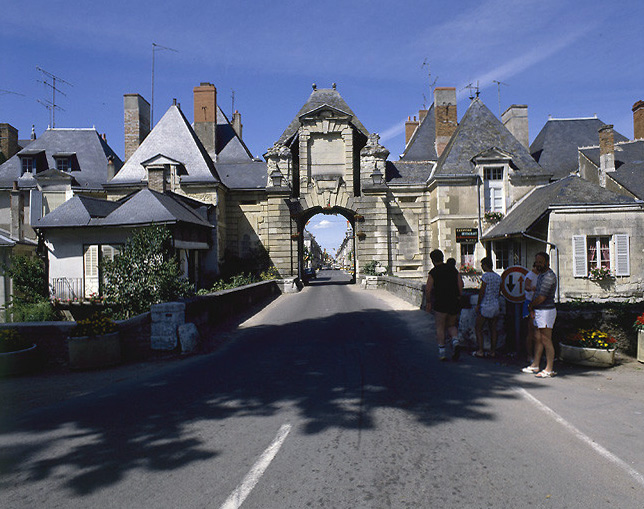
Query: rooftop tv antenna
{"type": "Point", "coordinates": [156, 47]}
{"type": "Point", "coordinates": [52, 104]}
{"type": "Point", "coordinates": [498, 91]}
{"type": "Point", "coordinates": [429, 79]}
{"type": "Point", "coordinates": [471, 87]}
{"type": "Point", "coordinates": [3, 92]}
{"type": "Point", "coordinates": [232, 97]}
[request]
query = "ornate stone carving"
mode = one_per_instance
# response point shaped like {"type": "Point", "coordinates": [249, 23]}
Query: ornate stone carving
{"type": "Point", "coordinates": [278, 159]}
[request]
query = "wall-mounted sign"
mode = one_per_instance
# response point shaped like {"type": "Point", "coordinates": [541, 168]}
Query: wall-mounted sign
{"type": "Point", "coordinates": [467, 235]}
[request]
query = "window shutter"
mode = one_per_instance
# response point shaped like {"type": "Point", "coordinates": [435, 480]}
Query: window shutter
{"type": "Point", "coordinates": [91, 270]}
{"type": "Point", "coordinates": [579, 262]}
{"type": "Point", "coordinates": [622, 256]}
{"type": "Point", "coordinates": [35, 206]}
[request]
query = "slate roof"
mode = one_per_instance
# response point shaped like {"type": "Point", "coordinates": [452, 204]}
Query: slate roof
{"type": "Point", "coordinates": [172, 137]}
{"type": "Point", "coordinates": [88, 147]}
{"type": "Point", "coordinates": [230, 148]}
{"type": "Point", "coordinates": [556, 146]}
{"type": "Point", "coordinates": [138, 209]}
{"type": "Point", "coordinates": [422, 145]}
{"type": "Point", "coordinates": [408, 172]}
{"type": "Point", "coordinates": [318, 98]}
{"type": "Point", "coordinates": [570, 190]}
{"type": "Point", "coordinates": [478, 131]}
{"type": "Point", "coordinates": [248, 175]}
{"type": "Point", "coordinates": [6, 240]}
{"type": "Point", "coordinates": [629, 165]}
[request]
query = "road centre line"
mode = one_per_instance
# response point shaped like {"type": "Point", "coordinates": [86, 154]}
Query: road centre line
{"type": "Point", "coordinates": [581, 436]}
{"type": "Point", "coordinates": [237, 497]}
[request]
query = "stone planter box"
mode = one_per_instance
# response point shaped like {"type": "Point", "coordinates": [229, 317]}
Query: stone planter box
{"type": "Point", "coordinates": [19, 362]}
{"type": "Point", "coordinates": [640, 346]}
{"type": "Point", "coordinates": [596, 357]}
{"type": "Point", "coordinates": [94, 352]}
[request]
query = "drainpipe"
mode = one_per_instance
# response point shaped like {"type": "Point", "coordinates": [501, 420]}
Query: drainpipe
{"type": "Point", "coordinates": [557, 251]}
{"type": "Point", "coordinates": [479, 181]}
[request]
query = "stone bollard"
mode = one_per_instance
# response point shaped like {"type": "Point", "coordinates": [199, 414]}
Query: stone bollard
{"type": "Point", "coordinates": [166, 318]}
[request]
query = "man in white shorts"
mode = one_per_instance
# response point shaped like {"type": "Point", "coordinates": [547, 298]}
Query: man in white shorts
{"type": "Point", "coordinates": [543, 312]}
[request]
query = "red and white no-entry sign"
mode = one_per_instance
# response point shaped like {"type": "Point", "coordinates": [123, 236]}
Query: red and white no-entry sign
{"type": "Point", "coordinates": [513, 283]}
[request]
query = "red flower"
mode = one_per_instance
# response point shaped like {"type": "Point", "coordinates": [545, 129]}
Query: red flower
{"type": "Point", "coordinates": [612, 340]}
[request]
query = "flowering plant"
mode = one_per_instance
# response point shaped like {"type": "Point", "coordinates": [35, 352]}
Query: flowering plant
{"type": "Point", "coordinates": [599, 274]}
{"type": "Point", "coordinates": [493, 217]}
{"type": "Point", "coordinates": [469, 270]}
{"type": "Point", "coordinates": [12, 341]}
{"type": "Point", "coordinates": [96, 325]}
{"type": "Point", "coordinates": [591, 338]}
{"type": "Point", "coordinates": [639, 323]}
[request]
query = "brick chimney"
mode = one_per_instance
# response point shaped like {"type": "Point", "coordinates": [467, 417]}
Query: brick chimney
{"type": "Point", "coordinates": [136, 119]}
{"type": "Point", "coordinates": [445, 112]}
{"type": "Point", "coordinates": [606, 152]}
{"type": "Point", "coordinates": [205, 116]}
{"type": "Point", "coordinates": [17, 205]}
{"type": "Point", "coordinates": [410, 128]}
{"type": "Point", "coordinates": [638, 120]}
{"type": "Point", "coordinates": [515, 119]}
{"type": "Point", "coordinates": [422, 114]}
{"type": "Point", "coordinates": [156, 178]}
{"type": "Point", "coordinates": [8, 142]}
{"type": "Point", "coordinates": [237, 123]}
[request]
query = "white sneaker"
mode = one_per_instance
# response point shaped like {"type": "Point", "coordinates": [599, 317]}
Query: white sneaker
{"type": "Point", "coordinates": [442, 353]}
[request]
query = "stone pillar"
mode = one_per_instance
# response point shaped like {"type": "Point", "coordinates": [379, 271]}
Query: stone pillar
{"type": "Point", "coordinates": [279, 233]}
{"type": "Point", "coordinates": [606, 152]}
{"type": "Point", "coordinates": [165, 321]}
{"type": "Point", "coordinates": [237, 124]}
{"type": "Point", "coordinates": [638, 120]}
{"type": "Point", "coordinates": [446, 118]}
{"type": "Point", "coordinates": [515, 119]}
{"type": "Point", "coordinates": [136, 117]}
{"type": "Point", "coordinates": [17, 206]}
{"type": "Point", "coordinates": [205, 116]}
{"type": "Point", "coordinates": [278, 159]}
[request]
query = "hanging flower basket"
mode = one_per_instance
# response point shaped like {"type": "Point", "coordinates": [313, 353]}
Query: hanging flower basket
{"type": "Point", "coordinates": [358, 218]}
{"type": "Point", "coordinates": [493, 217]}
{"type": "Point", "coordinates": [361, 235]}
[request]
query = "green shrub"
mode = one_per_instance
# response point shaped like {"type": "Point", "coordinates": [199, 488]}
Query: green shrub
{"type": "Point", "coordinates": [32, 312]}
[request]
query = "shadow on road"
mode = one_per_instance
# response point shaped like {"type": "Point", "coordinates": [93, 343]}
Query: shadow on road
{"type": "Point", "coordinates": [335, 371]}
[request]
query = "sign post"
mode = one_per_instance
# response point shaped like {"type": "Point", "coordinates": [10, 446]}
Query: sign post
{"type": "Point", "coordinates": [513, 289]}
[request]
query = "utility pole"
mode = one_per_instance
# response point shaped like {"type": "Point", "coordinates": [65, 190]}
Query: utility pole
{"type": "Point", "coordinates": [52, 105]}
{"type": "Point", "coordinates": [155, 47]}
{"type": "Point", "coordinates": [498, 91]}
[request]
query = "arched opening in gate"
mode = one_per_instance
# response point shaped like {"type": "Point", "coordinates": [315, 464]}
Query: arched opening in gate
{"type": "Point", "coordinates": [326, 245]}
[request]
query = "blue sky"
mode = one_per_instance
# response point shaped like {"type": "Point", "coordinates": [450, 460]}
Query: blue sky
{"type": "Point", "coordinates": [561, 58]}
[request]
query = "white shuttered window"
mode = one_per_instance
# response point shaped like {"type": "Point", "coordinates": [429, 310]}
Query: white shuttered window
{"type": "Point", "coordinates": [579, 265]}
{"type": "Point", "coordinates": [622, 255]}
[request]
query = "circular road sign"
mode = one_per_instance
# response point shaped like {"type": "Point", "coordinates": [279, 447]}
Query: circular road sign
{"type": "Point", "coordinates": [513, 283]}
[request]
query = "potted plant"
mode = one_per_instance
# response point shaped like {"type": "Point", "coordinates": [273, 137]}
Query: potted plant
{"type": "Point", "coordinates": [493, 217]}
{"type": "Point", "coordinates": [600, 274]}
{"type": "Point", "coordinates": [94, 343]}
{"type": "Point", "coordinates": [17, 354]}
{"type": "Point", "coordinates": [639, 327]}
{"type": "Point", "coordinates": [589, 347]}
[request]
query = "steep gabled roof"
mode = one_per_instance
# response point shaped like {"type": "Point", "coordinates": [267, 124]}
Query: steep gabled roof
{"type": "Point", "coordinates": [478, 131]}
{"type": "Point", "coordinates": [86, 146]}
{"type": "Point", "coordinates": [230, 147]}
{"type": "Point", "coordinates": [249, 175]}
{"type": "Point", "coordinates": [173, 137]}
{"type": "Point", "coordinates": [319, 98]}
{"type": "Point", "coordinates": [408, 172]}
{"type": "Point", "coordinates": [570, 190]}
{"type": "Point", "coordinates": [422, 145]}
{"type": "Point", "coordinates": [140, 208]}
{"type": "Point", "coordinates": [555, 147]}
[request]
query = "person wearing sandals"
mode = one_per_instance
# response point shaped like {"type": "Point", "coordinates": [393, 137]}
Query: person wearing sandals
{"type": "Point", "coordinates": [487, 307]}
{"type": "Point", "coordinates": [443, 291]}
{"type": "Point", "coordinates": [544, 313]}
{"type": "Point", "coordinates": [530, 282]}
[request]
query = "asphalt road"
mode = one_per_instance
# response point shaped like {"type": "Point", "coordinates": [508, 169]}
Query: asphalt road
{"type": "Point", "coordinates": [332, 398]}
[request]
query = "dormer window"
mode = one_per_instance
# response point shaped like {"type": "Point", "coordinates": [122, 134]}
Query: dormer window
{"type": "Point", "coordinates": [28, 165]}
{"type": "Point", "coordinates": [493, 188]}
{"type": "Point", "coordinates": [63, 164]}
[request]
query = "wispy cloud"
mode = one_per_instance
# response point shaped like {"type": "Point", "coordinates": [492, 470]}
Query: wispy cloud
{"type": "Point", "coordinates": [322, 225]}
{"type": "Point", "coordinates": [393, 131]}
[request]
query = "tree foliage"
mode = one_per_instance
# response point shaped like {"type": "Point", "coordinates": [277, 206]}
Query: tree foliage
{"type": "Point", "coordinates": [29, 279]}
{"type": "Point", "coordinates": [145, 272]}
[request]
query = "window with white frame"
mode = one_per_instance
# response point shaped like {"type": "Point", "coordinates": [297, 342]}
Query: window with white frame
{"type": "Point", "coordinates": [28, 165]}
{"type": "Point", "coordinates": [493, 188]}
{"type": "Point", "coordinates": [609, 252]}
{"type": "Point", "coordinates": [63, 163]}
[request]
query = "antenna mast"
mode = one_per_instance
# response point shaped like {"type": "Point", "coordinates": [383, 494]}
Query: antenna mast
{"type": "Point", "coordinates": [52, 105]}
{"type": "Point", "coordinates": [498, 91]}
{"type": "Point", "coordinates": [156, 47]}
{"type": "Point", "coordinates": [429, 79]}
{"type": "Point", "coordinates": [471, 87]}
{"type": "Point", "coordinates": [232, 96]}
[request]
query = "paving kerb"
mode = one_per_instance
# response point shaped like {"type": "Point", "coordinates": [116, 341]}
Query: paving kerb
{"type": "Point", "coordinates": [29, 392]}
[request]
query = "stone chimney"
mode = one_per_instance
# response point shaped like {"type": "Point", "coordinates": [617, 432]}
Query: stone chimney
{"type": "Point", "coordinates": [606, 152]}
{"type": "Point", "coordinates": [205, 115]}
{"type": "Point", "coordinates": [156, 178]}
{"type": "Point", "coordinates": [422, 114]}
{"type": "Point", "coordinates": [410, 128]}
{"type": "Point", "coordinates": [17, 205]}
{"type": "Point", "coordinates": [638, 120]}
{"type": "Point", "coordinates": [515, 119]}
{"type": "Point", "coordinates": [237, 123]}
{"type": "Point", "coordinates": [446, 119]}
{"type": "Point", "coordinates": [111, 169]}
{"type": "Point", "coordinates": [136, 118]}
{"type": "Point", "coordinates": [8, 142]}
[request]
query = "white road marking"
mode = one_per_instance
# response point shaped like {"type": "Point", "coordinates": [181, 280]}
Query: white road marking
{"type": "Point", "coordinates": [584, 438]}
{"type": "Point", "coordinates": [237, 497]}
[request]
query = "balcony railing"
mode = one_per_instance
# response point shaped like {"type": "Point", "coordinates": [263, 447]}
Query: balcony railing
{"type": "Point", "coordinates": [65, 288]}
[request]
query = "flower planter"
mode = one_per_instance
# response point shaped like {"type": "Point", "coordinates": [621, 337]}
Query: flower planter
{"type": "Point", "coordinates": [94, 352]}
{"type": "Point", "coordinates": [596, 357]}
{"type": "Point", "coordinates": [19, 362]}
{"type": "Point", "coordinates": [640, 346]}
